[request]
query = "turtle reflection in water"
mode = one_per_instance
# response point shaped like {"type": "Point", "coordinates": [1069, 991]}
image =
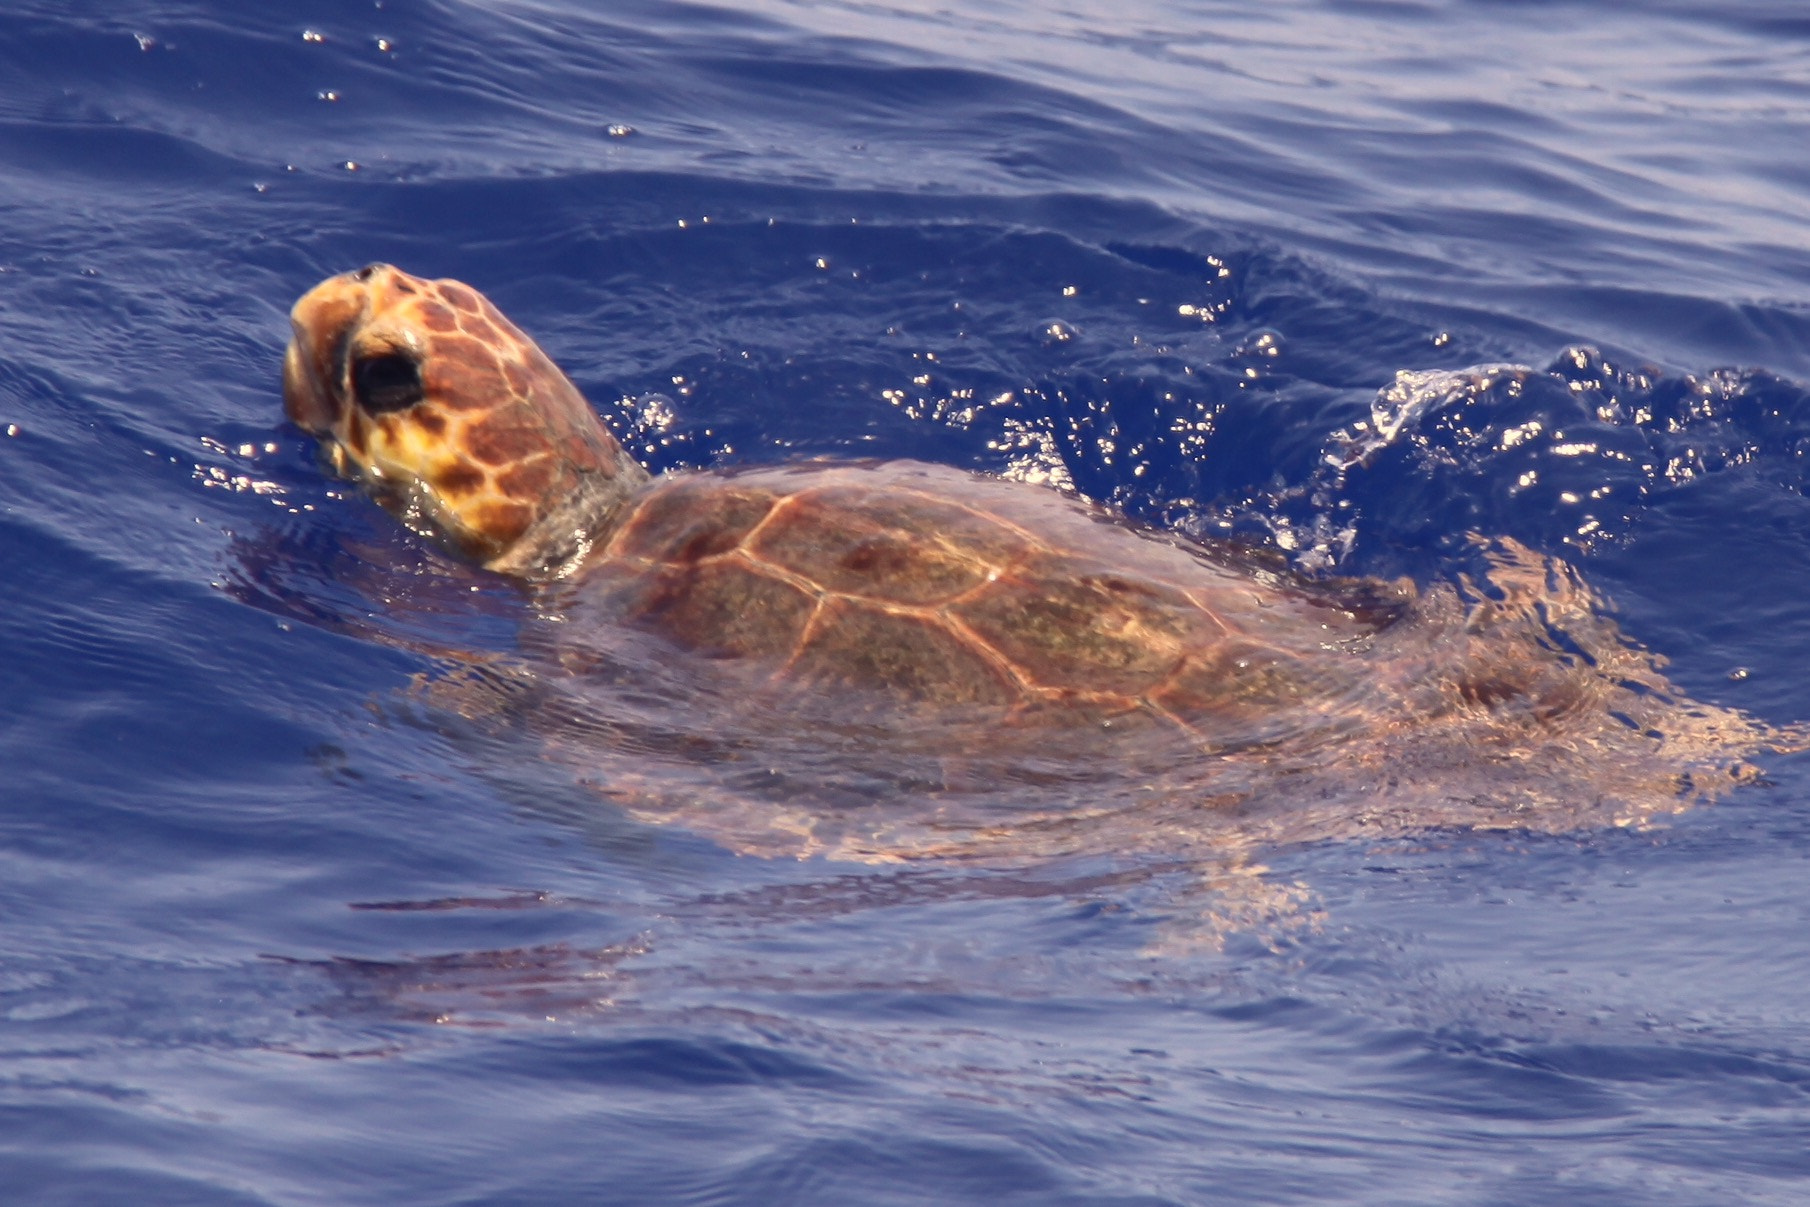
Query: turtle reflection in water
{"type": "Point", "coordinates": [896, 660]}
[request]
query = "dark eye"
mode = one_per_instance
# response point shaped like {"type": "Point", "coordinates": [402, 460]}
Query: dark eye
{"type": "Point", "coordinates": [388, 382]}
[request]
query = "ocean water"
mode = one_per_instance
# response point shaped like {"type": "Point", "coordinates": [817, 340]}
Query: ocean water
{"type": "Point", "coordinates": [274, 930]}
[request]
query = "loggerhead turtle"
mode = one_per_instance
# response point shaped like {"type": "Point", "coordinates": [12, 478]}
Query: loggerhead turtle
{"type": "Point", "coordinates": [877, 660]}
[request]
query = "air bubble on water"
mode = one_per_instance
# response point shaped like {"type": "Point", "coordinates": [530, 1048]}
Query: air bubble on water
{"type": "Point", "coordinates": [655, 412]}
{"type": "Point", "coordinates": [1266, 343]}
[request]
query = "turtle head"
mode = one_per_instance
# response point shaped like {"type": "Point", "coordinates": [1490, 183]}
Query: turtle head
{"type": "Point", "coordinates": [453, 419]}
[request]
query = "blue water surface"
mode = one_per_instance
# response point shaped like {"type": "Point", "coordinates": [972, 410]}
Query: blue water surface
{"type": "Point", "coordinates": [273, 932]}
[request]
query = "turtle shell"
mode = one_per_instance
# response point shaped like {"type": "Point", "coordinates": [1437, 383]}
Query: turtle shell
{"type": "Point", "coordinates": [896, 660]}
{"type": "Point", "coordinates": [927, 586]}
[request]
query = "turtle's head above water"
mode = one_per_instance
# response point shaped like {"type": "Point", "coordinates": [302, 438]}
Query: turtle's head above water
{"type": "Point", "coordinates": [453, 419]}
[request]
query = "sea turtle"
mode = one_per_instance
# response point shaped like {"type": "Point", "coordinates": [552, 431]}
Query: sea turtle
{"type": "Point", "coordinates": [882, 659]}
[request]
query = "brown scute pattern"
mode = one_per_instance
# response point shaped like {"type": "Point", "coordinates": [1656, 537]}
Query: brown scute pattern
{"type": "Point", "coordinates": [887, 545]}
{"type": "Point", "coordinates": [725, 608]}
{"type": "Point", "coordinates": [454, 363]}
{"type": "Point", "coordinates": [687, 519]}
{"type": "Point", "coordinates": [481, 333]}
{"type": "Point", "coordinates": [529, 479]}
{"type": "Point", "coordinates": [1087, 529]}
{"type": "Point", "coordinates": [502, 523]}
{"type": "Point", "coordinates": [461, 298]}
{"type": "Point", "coordinates": [580, 452]}
{"type": "Point", "coordinates": [1075, 624]}
{"type": "Point", "coordinates": [504, 437]}
{"type": "Point", "coordinates": [1256, 675]}
{"type": "Point", "coordinates": [458, 479]}
{"type": "Point", "coordinates": [437, 318]}
{"type": "Point", "coordinates": [974, 610]}
{"type": "Point", "coordinates": [493, 315]}
{"type": "Point", "coordinates": [908, 655]}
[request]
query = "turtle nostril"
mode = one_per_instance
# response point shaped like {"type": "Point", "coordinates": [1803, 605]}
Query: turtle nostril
{"type": "Point", "coordinates": [365, 273]}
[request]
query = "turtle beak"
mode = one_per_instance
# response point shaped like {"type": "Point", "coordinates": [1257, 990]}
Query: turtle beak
{"type": "Point", "coordinates": [307, 405]}
{"type": "Point", "coordinates": [313, 370]}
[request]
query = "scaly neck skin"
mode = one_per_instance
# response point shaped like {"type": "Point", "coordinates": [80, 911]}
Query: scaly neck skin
{"type": "Point", "coordinates": [563, 536]}
{"type": "Point", "coordinates": [571, 473]}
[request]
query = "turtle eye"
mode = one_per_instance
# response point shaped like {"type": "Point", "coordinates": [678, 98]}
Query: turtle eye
{"type": "Point", "coordinates": [386, 382]}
